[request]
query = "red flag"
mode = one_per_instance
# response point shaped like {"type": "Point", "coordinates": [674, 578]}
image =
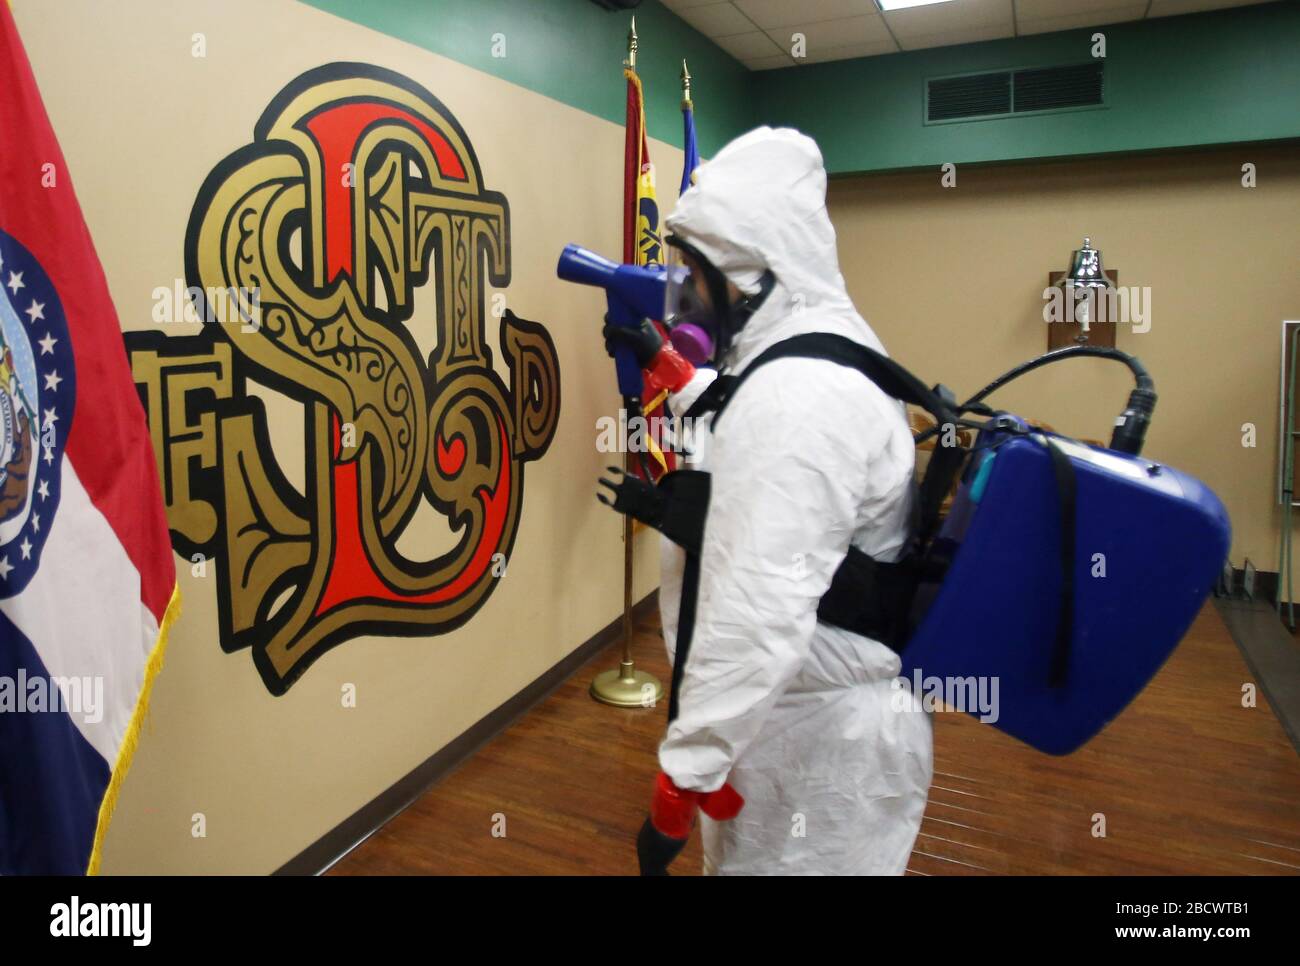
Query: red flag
{"type": "Point", "coordinates": [641, 243]}
{"type": "Point", "coordinates": [634, 149]}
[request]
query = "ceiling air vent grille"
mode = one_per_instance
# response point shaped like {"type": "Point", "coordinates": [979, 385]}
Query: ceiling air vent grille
{"type": "Point", "coordinates": [1010, 92]}
{"type": "Point", "coordinates": [1052, 88]}
{"type": "Point", "coordinates": [975, 95]}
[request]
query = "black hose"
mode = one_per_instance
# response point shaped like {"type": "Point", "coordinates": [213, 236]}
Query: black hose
{"type": "Point", "coordinates": [1140, 374]}
{"type": "Point", "coordinates": [1131, 426]}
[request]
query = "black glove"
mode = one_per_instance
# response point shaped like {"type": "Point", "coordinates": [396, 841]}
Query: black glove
{"type": "Point", "coordinates": [656, 851]}
{"type": "Point", "coordinates": [676, 507]}
{"type": "Point", "coordinates": [644, 341]}
{"type": "Point", "coordinates": [635, 497]}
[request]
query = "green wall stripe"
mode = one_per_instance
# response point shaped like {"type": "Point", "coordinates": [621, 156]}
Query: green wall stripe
{"type": "Point", "coordinates": [573, 51]}
{"type": "Point", "coordinates": [1213, 78]}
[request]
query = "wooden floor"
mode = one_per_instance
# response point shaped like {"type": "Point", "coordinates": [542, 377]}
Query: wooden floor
{"type": "Point", "coordinates": [1188, 782]}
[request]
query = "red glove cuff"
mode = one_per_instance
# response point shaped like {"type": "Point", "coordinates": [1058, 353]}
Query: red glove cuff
{"type": "Point", "coordinates": [672, 809]}
{"type": "Point", "coordinates": [722, 805]}
{"type": "Point", "coordinates": [668, 370]}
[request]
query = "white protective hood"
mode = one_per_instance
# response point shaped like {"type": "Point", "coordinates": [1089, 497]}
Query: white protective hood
{"type": "Point", "coordinates": [761, 204]}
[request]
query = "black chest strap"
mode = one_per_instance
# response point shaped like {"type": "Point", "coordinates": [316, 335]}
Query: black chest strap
{"type": "Point", "coordinates": [892, 378]}
{"type": "Point", "coordinates": [889, 376]}
{"type": "Point", "coordinates": [866, 596]}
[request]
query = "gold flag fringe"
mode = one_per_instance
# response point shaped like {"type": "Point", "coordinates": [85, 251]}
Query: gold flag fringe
{"type": "Point", "coordinates": [132, 737]}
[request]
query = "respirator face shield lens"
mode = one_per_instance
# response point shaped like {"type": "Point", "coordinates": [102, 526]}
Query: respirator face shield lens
{"type": "Point", "coordinates": [688, 314]}
{"type": "Point", "coordinates": [683, 301]}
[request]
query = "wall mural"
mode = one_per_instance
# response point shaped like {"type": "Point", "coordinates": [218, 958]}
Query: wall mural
{"type": "Point", "coordinates": [306, 248]}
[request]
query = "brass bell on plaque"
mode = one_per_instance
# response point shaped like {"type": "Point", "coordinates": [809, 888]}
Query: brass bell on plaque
{"type": "Point", "coordinates": [1086, 285]}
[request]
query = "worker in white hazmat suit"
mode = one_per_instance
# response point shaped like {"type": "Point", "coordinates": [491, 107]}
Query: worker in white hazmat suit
{"type": "Point", "coordinates": [793, 734]}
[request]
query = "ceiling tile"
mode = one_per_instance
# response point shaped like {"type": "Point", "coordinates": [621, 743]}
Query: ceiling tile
{"type": "Point", "coordinates": [841, 29]}
{"type": "Point", "coordinates": [753, 44]}
{"type": "Point", "coordinates": [949, 38]}
{"type": "Point", "coordinates": [1071, 21]}
{"type": "Point", "coordinates": [683, 4]}
{"type": "Point", "coordinates": [820, 55]}
{"type": "Point", "coordinates": [1042, 9]}
{"type": "Point", "coordinates": [784, 13]}
{"type": "Point", "coordinates": [945, 18]}
{"type": "Point", "coordinates": [834, 33]}
{"type": "Point", "coordinates": [716, 20]}
{"type": "Point", "coordinates": [1169, 8]}
{"type": "Point", "coordinates": [768, 63]}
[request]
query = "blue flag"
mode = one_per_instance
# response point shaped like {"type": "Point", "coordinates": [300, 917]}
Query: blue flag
{"type": "Point", "coordinates": [692, 160]}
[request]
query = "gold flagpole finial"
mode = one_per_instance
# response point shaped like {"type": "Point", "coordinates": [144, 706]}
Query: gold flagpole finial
{"type": "Point", "coordinates": [686, 85]}
{"type": "Point", "coordinates": [631, 45]}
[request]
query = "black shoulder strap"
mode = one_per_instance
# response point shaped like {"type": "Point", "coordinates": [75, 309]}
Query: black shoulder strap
{"type": "Point", "coordinates": [892, 378]}
{"type": "Point", "coordinates": [712, 398]}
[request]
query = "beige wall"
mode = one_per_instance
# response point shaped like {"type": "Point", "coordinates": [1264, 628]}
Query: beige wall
{"type": "Point", "coordinates": [142, 122]}
{"type": "Point", "coordinates": [952, 279]}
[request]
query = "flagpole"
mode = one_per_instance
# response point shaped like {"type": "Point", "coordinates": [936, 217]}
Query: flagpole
{"type": "Point", "coordinates": [626, 666]}
{"type": "Point", "coordinates": [625, 686]}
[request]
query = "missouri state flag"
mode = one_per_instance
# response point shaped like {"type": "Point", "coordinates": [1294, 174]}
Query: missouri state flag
{"type": "Point", "coordinates": [87, 582]}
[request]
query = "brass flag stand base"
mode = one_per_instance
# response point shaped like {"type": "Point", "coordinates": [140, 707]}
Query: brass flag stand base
{"type": "Point", "coordinates": [625, 686]}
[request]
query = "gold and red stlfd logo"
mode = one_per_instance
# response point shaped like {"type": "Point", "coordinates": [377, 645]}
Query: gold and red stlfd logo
{"type": "Point", "coordinates": [304, 256]}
